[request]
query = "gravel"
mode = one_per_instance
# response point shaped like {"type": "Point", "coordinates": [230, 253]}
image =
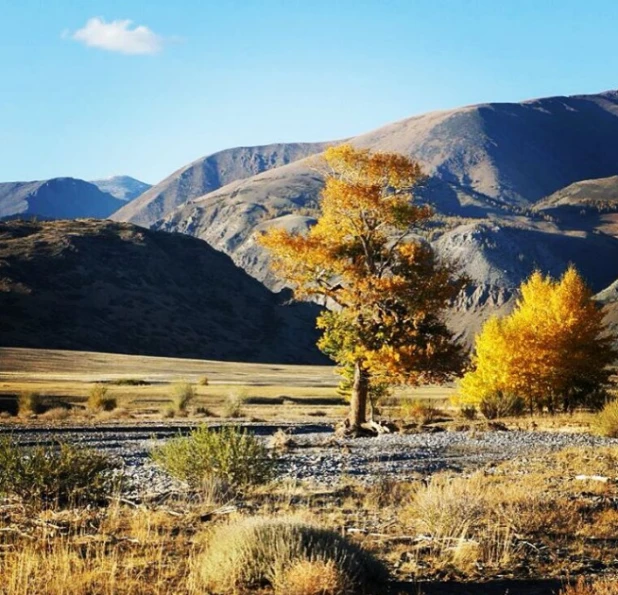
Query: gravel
{"type": "Point", "coordinates": [318, 455]}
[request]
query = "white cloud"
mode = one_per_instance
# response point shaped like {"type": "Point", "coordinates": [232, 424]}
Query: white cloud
{"type": "Point", "coordinates": [118, 36]}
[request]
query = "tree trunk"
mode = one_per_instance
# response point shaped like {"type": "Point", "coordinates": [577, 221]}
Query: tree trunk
{"type": "Point", "coordinates": [358, 401]}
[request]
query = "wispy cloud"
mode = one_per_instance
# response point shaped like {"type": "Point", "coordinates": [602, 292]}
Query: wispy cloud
{"type": "Point", "coordinates": [118, 36]}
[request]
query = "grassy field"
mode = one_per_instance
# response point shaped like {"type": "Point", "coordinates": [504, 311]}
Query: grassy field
{"type": "Point", "coordinates": [527, 526]}
{"type": "Point", "coordinates": [266, 391]}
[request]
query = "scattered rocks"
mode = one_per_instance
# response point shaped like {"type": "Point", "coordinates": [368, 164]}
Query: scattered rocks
{"type": "Point", "coordinates": [319, 456]}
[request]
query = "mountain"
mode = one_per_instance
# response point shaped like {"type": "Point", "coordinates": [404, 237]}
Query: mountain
{"type": "Point", "coordinates": [491, 169]}
{"type": "Point", "coordinates": [122, 187]}
{"type": "Point", "coordinates": [58, 198]}
{"type": "Point", "coordinates": [209, 173]}
{"type": "Point", "coordinates": [114, 287]}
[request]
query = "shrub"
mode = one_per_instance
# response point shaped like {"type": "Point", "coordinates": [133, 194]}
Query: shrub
{"type": "Point", "coordinates": [65, 474]}
{"type": "Point", "coordinates": [230, 454]}
{"type": "Point", "coordinates": [498, 404]}
{"type": "Point", "coordinates": [56, 414]}
{"type": "Point", "coordinates": [203, 381]}
{"type": "Point", "coordinates": [30, 403]}
{"type": "Point", "coordinates": [312, 577]}
{"type": "Point", "coordinates": [606, 421]}
{"type": "Point", "coordinates": [183, 395]}
{"type": "Point", "coordinates": [234, 404]}
{"type": "Point", "coordinates": [419, 411]}
{"type": "Point", "coordinates": [281, 440]}
{"type": "Point", "coordinates": [99, 400]}
{"type": "Point", "coordinates": [288, 555]}
{"type": "Point", "coordinates": [468, 412]}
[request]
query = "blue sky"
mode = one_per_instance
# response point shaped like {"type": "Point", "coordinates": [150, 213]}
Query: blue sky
{"type": "Point", "coordinates": [90, 99]}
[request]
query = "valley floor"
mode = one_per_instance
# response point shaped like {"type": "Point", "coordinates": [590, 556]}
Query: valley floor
{"type": "Point", "coordinates": [452, 506]}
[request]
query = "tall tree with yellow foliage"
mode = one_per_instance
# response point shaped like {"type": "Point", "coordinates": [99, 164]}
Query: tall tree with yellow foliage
{"type": "Point", "coordinates": [552, 351]}
{"type": "Point", "coordinates": [386, 289]}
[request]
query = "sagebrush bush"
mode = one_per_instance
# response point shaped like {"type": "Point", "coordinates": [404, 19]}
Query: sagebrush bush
{"type": "Point", "coordinates": [287, 555]}
{"type": "Point", "coordinates": [100, 400]}
{"type": "Point", "coordinates": [468, 412]}
{"type": "Point", "coordinates": [183, 395]}
{"type": "Point", "coordinates": [230, 453]}
{"type": "Point", "coordinates": [606, 421]}
{"type": "Point", "coordinates": [56, 414]}
{"type": "Point", "coordinates": [61, 475]}
{"type": "Point", "coordinates": [30, 403]}
{"type": "Point", "coordinates": [234, 404]}
{"type": "Point", "coordinates": [419, 411]}
{"type": "Point", "coordinates": [498, 404]}
{"type": "Point", "coordinates": [203, 381]}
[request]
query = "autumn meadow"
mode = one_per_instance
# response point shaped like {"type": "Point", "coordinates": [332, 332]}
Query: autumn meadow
{"type": "Point", "coordinates": [233, 484]}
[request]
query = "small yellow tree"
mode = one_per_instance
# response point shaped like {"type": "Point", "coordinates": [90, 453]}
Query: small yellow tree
{"type": "Point", "coordinates": [387, 289]}
{"type": "Point", "coordinates": [553, 350]}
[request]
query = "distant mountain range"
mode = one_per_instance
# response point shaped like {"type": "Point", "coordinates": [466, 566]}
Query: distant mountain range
{"type": "Point", "coordinates": [114, 287]}
{"type": "Point", "coordinates": [122, 187]}
{"type": "Point", "coordinates": [516, 186]}
{"type": "Point", "coordinates": [210, 173]}
{"type": "Point", "coordinates": [67, 198]}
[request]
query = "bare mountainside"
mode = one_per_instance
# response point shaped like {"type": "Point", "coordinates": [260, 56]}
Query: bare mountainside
{"type": "Point", "coordinates": [209, 173]}
{"type": "Point", "coordinates": [57, 198]}
{"type": "Point", "coordinates": [488, 166]}
{"type": "Point", "coordinates": [123, 187]}
{"type": "Point", "coordinates": [113, 287]}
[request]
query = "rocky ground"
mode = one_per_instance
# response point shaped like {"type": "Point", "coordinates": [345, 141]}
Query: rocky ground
{"type": "Point", "coordinates": [315, 453]}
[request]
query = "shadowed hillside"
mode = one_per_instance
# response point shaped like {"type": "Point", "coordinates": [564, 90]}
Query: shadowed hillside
{"type": "Point", "coordinates": [58, 198]}
{"type": "Point", "coordinates": [113, 287]}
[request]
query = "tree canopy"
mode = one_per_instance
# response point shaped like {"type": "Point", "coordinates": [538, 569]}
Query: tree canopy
{"type": "Point", "coordinates": [552, 351]}
{"type": "Point", "coordinates": [386, 287]}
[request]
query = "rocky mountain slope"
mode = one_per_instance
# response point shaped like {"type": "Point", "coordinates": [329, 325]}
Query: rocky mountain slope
{"type": "Point", "coordinates": [57, 198]}
{"type": "Point", "coordinates": [122, 187]}
{"type": "Point", "coordinates": [209, 173]}
{"type": "Point", "coordinates": [113, 287]}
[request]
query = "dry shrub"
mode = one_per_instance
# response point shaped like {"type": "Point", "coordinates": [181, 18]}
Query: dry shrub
{"type": "Point", "coordinates": [203, 381]}
{"type": "Point", "coordinates": [419, 411]}
{"type": "Point", "coordinates": [606, 421]}
{"type": "Point", "coordinates": [29, 403]}
{"type": "Point", "coordinates": [598, 587]}
{"type": "Point", "coordinates": [312, 577]}
{"type": "Point", "coordinates": [234, 404]}
{"type": "Point", "coordinates": [183, 395]}
{"type": "Point", "coordinates": [100, 400]}
{"type": "Point", "coordinates": [468, 412]}
{"type": "Point", "coordinates": [117, 413]}
{"type": "Point", "coordinates": [499, 404]}
{"type": "Point", "coordinates": [262, 551]}
{"type": "Point", "coordinates": [63, 475]}
{"type": "Point", "coordinates": [281, 440]}
{"type": "Point", "coordinates": [56, 414]}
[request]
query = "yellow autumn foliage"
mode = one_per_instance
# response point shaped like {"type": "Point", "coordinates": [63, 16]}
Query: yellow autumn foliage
{"type": "Point", "coordinates": [386, 285]}
{"type": "Point", "coordinates": [552, 351]}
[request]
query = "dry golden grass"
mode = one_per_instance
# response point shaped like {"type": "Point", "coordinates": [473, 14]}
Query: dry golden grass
{"type": "Point", "coordinates": [599, 587]}
{"type": "Point", "coordinates": [142, 385]}
{"type": "Point", "coordinates": [312, 577]}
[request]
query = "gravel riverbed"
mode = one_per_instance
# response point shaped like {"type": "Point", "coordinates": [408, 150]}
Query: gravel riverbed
{"type": "Point", "coordinates": [317, 455]}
